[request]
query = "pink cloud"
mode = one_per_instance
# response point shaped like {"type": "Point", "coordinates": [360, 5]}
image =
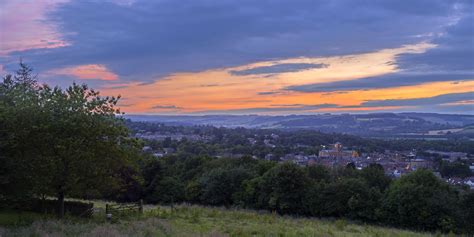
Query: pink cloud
{"type": "Point", "coordinates": [89, 71]}
{"type": "Point", "coordinates": [23, 26]}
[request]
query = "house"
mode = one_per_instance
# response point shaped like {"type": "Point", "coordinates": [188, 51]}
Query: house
{"type": "Point", "coordinates": [469, 182]}
{"type": "Point", "coordinates": [169, 150]}
{"type": "Point", "coordinates": [338, 152]}
{"type": "Point", "coordinates": [419, 163]}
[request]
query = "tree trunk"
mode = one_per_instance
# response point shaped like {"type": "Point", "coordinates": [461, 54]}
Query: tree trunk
{"type": "Point", "coordinates": [61, 204]}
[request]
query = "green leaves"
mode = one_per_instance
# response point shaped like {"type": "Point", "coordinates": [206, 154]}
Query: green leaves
{"type": "Point", "coordinates": [63, 141]}
{"type": "Point", "coordinates": [420, 200]}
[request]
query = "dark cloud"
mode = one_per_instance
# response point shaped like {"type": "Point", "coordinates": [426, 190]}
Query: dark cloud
{"type": "Point", "coordinates": [458, 109]}
{"type": "Point", "coordinates": [279, 68]}
{"type": "Point", "coordinates": [275, 108]}
{"type": "Point", "coordinates": [268, 93]}
{"type": "Point", "coordinates": [435, 100]}
{"type": "Point", "coordinates": [452, 59]}
{"type": "Point", "coordinates": [390, 80]}
{"type": "Point", "coordinates": [444, 102]}
{"type": "Point", "coordinates": [209, 85]}
{"type": "Point", "coordinates": [149, 39]}
{"type": "Point", "coordinates": [166, 107]}
{"type": "Point", "coordinates": [455, 50]}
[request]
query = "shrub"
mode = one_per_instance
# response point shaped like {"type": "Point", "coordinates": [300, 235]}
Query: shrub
{"type": "Point", "coordinates": [48, 206]}
{"type": "Point", "coordinates": [422, 201]}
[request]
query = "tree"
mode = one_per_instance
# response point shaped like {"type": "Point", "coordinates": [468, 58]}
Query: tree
{"type": "Point", "coordinates": [18, 100]}
{"type": "Point", "coordinates": [420, 200]}
{"type": "Point", "coordinates": [318, 173]}
{"type": "Point", "coordinates": [282, 188]}
{"type": "Point", "coordinates": [349, 197]}
{"type": "Point", "coordinates": [467, 212]}
{"type": "Point", "coordinates": [454, 169]}
{"type": "Point", "coordinates": [169, 191]}
{"type": "Point", "coordinates": [64, 141]}
{"type": "Point", "coordinates": [84, 142]}
{"type": "Point", "coordinates": [220, 186]}
{"type": "Point", "coordinates": [24, 76]}
{"type": "Point", "coordinates": [374, 176]}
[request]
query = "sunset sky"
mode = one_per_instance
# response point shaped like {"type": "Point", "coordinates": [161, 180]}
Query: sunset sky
{"type": "Point", "coordinates": [250, 56]}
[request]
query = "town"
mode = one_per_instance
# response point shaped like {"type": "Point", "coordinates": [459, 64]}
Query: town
{"type": "Point", "coordinates": [454, 167]}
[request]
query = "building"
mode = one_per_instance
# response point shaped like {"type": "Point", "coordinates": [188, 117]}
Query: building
{"type": "Point", "coordinates": [338, 152]}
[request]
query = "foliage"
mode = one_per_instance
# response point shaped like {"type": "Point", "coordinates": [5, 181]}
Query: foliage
{"type": "Point", "coordinates": [420, 200]}
{"type": "Point", "coordinates": [168, 191]}
{"type": "Point", "coordinates": [61, 142]}
{"type": "Point", "coordinates": [220, 186]}
{"type": "Point", "coordinates": [454, 169]}
{"type": "Point", "coordinates": [282, 189]}
{"type": "Point", "coordinates": [217, 141]}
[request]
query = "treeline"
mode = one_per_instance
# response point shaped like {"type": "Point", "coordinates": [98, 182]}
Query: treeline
{"type": "Point", "coordinates": [235, 140]}
{"type": "Point", "coordinates": [418, 200]}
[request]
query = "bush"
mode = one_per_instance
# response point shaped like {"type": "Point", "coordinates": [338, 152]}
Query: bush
{"type": "Point", "coordinates": [422, 201]}
{"type": "Point", "coordinates": [220, 186]}
{"type": "Point", "coordinates": [48, 206]}
{"type": "Point", "coordinates": [282, 189]}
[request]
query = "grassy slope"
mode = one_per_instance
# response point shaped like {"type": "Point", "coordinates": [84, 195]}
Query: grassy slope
{"type": "Point", "coordinates": [193, 221]}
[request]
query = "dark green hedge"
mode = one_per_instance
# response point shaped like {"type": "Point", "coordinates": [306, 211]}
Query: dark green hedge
{"type": "Point", "coordinates": [47, 206]}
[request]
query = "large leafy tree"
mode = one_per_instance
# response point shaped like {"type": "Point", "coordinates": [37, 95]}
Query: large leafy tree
{"type": "Point", "coordinates": [282, 189]}
{"type": "Point", "coordinates": [65, 142]}
{"type": "Point", "coordinates": [18, 100]}
{"type": "Point", "coordinates": [422, 201]}
{"type": "Point", "coordinates": [220, 186]}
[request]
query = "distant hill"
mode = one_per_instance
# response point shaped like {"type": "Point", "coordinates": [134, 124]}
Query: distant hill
{"type": "Point", "coordinates": [376, 124]}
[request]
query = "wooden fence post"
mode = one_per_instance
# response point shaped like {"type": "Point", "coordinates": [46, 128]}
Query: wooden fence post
{"type": "Point", "coordinates": [108, 214]}
{"type": "Point", "coordinates": [140, 208]}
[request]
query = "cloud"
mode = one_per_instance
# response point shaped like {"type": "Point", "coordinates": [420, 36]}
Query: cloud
{"type": "Point", "coordinates": [268, 93]}
{"type": "Point", "coordinates": [452, 102]}
{"type": "Point", "coordinates": [275, 109]}
{"type": "Point", "coordinates": [278, 68]}
{"type": "Point", "coordinates": [146, 40]}
{"type": "Point", "coordinates": [209, 85]}
{"type": "Point", "coordinates": [200, 55]}
{"type": "Point", "coordinates": [23, 26]}
{"type": "Point", "coordinates": [166, 107]}
{"type": "Point", "coordinates": [452, 59]}
{"type": "Point", "coordinates": [91, 71]}
{"type": "Point", "coordinates": [379, 82]}
{"type": "Point", "coordinates": [435, 100]}
{"type": "Point", "coordinates": [454, 51]}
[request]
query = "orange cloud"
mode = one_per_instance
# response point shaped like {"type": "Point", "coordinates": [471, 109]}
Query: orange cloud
{"type": "Point", "coordinates": [89, 71]}
{"type": "Point", "coordinates": [221, 89]}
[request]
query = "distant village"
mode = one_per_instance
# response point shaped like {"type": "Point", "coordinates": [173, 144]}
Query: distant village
{"type": "Point", "coordinates": [395, 163]}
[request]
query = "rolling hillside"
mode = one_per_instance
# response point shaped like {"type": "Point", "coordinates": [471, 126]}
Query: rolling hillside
{"type": "Point", "coordinates": [199, 221]}
{"type": "Point", "coordinates": [369, 125]}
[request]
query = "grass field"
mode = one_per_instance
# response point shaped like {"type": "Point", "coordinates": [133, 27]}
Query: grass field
{"type": "Point", "coordinates": [188, 221]}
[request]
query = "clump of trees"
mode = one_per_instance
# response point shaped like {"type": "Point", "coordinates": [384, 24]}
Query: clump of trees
{"type": "Point", "coordinates": [419, 200]}
{"type": "Point", "coordinates": [60, 142]}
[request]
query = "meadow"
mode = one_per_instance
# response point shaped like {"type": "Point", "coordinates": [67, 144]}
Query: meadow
{"type": "Point", "coordinates": [185, 220]}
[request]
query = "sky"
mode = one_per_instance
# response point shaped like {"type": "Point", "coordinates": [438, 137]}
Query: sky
{"type": "Point", "coordinates": [250, 57]}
